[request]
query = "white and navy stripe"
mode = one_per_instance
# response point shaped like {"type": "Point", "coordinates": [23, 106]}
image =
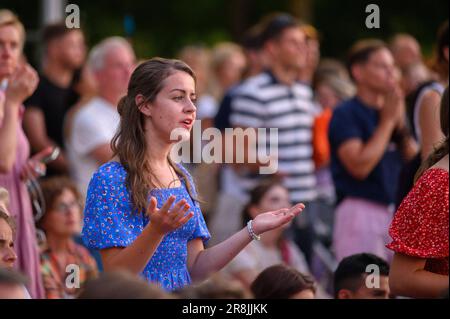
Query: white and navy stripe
{"type": "Point", "coordinates": [263, 102]}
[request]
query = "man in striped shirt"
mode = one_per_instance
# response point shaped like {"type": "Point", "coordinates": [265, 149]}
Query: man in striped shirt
{"type": "Point", "coordinates": [275, 99]}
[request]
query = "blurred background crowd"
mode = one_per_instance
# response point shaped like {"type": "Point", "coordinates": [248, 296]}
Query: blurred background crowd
{"type": "Point", "coordinates": [312, 78]}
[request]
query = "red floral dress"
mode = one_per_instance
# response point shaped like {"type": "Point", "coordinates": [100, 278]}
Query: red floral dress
{"type": "Point", "coordinates": [420, 226]}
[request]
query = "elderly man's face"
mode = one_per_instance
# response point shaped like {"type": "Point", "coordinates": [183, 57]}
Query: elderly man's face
{"type": "Point", "coordinates": [116, 71]}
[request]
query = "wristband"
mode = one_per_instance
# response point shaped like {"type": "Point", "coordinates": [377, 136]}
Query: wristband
{"type": "Point", "coordinates": [251, 231]}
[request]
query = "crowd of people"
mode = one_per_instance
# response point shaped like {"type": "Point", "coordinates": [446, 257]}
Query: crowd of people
{"type": "Point", "coordinates": [93, 206]}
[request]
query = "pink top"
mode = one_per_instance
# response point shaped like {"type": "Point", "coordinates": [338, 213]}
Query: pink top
{"type": "Point", "coordinates": [20, 208]}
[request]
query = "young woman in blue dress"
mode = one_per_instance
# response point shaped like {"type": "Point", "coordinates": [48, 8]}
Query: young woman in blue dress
{"type": "Point", "coordinates": [142, 211]}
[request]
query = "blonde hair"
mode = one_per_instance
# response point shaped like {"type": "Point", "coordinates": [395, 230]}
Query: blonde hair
{"type": "Point", "coordinates": [4, 197]}
{"type": "Point", "coordinates": [222, 52]}
{"type": "Point", "coordinates": [8, 18]}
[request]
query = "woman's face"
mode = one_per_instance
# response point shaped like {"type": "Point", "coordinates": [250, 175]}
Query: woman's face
{"type": "Point", "coordinates": [275, 198]}
{"type": "Point", "coordinates": [7, 254]}
{"type": "Point", "coordinates": [326, 96]}
{"type": "Point", "coordinates": [232, 69]}
{"type": "Point", "coordinates": [10, 50]}
{"type": "Point", "coordinates": [64, 217]}
{"type": "Point", "coordinates": [172, 114]}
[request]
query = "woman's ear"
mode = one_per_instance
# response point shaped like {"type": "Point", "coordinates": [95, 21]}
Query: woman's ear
{"type": "Point", "coordinates": [143, 106]}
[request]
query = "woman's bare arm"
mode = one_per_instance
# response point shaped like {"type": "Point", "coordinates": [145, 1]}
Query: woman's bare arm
{"type": "Point", "coordinates": [204, 262]}
{"type": "Point", "coordinates": [408, 278]}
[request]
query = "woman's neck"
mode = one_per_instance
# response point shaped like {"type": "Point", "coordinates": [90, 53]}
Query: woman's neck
{"type": "Point", "coordinates": [442, 163]}
{"type": "Point", "coordinates": [58, 244]}
{"type": "Point", "coordinates": [157, 151]}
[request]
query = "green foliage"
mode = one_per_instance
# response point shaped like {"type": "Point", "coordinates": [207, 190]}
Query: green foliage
{"type": "Point", "coordinates": [164, 27]}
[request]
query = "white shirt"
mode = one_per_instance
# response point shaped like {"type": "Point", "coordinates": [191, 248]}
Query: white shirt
{"type": "Point", "coordinates": [93, 126]}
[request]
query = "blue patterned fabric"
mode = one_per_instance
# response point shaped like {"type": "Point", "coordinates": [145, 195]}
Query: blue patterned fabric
{"type": "Point", "coordinates": [110, 222]}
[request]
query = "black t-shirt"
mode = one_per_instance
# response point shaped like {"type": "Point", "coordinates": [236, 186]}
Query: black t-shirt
{"type": "Point", "coordinates": [54, 101]}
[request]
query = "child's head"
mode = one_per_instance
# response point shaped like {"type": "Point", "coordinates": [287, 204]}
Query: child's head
{"type": "Point", "coordinates": [351, 278]}
{"type": "Point", "coordinates": [283, 282]}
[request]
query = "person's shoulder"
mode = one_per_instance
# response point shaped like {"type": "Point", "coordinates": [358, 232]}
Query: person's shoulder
{"type": "Point", "coordinates": [344, 108]}
{"type": "Point", "coordinates": [110, 171]}
{"type": "Point", "coordinates": [252, 85]}
{"type": "Point", "coordinates": [434, 175]}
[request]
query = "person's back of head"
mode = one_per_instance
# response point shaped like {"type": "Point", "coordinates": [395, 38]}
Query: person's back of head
{"type": "Point", "coordinates": [283, 282]}
{"type": "Point", "coordinates": [121, 285]}
{"type": "Point", "coordinates": [351, 282]}
{"type": "Point", "coordinates": [216, 287]}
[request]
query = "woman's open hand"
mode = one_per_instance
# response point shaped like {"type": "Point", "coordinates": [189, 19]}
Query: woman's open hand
{"type": "Point", "coordinates": [167, 219]}
{"type": "Point", "coordinates": [271, 220]}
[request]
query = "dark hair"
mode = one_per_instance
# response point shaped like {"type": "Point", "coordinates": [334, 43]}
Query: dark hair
{"type": "Point", "coordinates": [55, 31]}
{"type": "Point", "coordinates": [350, 271]}
{"type": "Point", "coordinates": [275, 24]}
{"type": "Point", "coordinates": [440, 63]}
{"type": "Point", "coordinates": [216, 287]}
{"type": "Point", "coordinates": [257, 194]}
{"type": "Point", "coordinates": [361, 51]}
{"type": "Point", "coordinates": [251, 40]}
{"type": "Point", "coordinates": [442, 150]}
{"type": "Point", "coordinates": [121, 285]}
{"type": "Point", "coordinates": [129, 142]}
{"type": "Point", "coordinates": [8, 219]}
{"type": "Point", "coordinates": [281, 282]}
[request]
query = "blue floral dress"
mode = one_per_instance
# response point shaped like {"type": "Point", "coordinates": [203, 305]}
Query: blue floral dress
{"type": "Point", "coordinates": [109, 221]}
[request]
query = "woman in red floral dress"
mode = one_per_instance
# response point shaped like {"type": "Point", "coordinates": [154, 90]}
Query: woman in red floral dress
{"type": "Point", "coordinates": [420, 230]}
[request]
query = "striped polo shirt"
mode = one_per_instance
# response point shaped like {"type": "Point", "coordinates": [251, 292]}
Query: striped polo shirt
{"type": "Point", "coordinates": [263, 102]}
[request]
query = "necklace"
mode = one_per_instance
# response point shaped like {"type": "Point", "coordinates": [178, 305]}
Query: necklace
{"type": "Point", "coordinates": [174, 179]}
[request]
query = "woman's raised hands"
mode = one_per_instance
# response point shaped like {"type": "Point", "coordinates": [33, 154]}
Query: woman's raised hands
{"type": "Point", "coordinates": [271, 220]}
{"type": "Point", "coordinates": [167, 219]}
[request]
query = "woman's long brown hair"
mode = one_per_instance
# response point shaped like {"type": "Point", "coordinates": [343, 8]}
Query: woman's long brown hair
{"type": "Point", "coordinates": [442, 150]}
{"type": "Point", "coordinates": [129, 143]}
